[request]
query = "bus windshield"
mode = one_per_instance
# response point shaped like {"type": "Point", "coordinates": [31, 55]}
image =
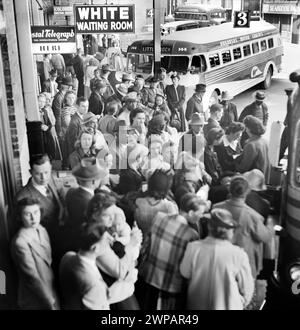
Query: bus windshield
{"type": "Point", "coordinates": [197, 16]}
{"type": "Point", "coordinates": [175, 63]}
{"type": "Point", "coordinates": [139, 63]}
{"type": "Point", "coordinates": [219, 14]}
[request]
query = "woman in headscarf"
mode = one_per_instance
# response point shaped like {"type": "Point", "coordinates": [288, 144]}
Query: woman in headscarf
{"type": "Point", "coordinates": [256, 153]}
{"type": "Point", "coordinates": [83, 147]}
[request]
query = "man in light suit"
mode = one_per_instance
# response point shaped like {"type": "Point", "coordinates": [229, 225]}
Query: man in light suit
{"type": "Point", "coordinates": [175, 94]}
{"type": "Point", "coordinates": [83, 287]}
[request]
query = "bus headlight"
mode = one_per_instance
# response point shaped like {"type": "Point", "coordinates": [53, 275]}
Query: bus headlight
{"type": "Point", "coordinates": [295, 272]}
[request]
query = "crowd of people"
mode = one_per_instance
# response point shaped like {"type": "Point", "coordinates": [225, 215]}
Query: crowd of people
{"type": "Point", "coordinates": [170, 211]}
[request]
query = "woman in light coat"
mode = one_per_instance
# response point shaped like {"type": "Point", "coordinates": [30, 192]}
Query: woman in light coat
{"type": "Point", "coordinates": [31, 252]}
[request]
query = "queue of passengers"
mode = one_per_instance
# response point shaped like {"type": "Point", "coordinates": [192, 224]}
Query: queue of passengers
{"type": "Point", "coordinates": [164, 216]}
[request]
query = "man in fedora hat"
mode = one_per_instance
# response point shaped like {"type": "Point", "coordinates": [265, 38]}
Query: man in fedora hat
{"type": "Point", "coordinates": [229, 110]}
{"type": "Point", "coordinates": [252, 232]}
{"type": "Point", "coordinates": [105, 72]}
{"type": "Point", "coordinates": [149, 93]}
{"type": "Point", "coordinates": [122, 89]}
{"type": "Point", "coordinates": [258, 109]}
{"type": "Point", "coordinates": [194, 104]}
{"type": "Point", "coordinates": [206, 263]}
{"type": "Point", "coordinates": [131, 102]}
{"type": "Point", "coordinates": [193, 141]}
{"type": "Point", "coordinates": [88, 174]}
{"type": "Point", "coordinates": [175, 94]}
{"type": "Point", "coordinates": [216, 112]}
{"type": "Point", "coordinates": [97, 100]}
{"type": "Point", "coordinates": [57, 104]}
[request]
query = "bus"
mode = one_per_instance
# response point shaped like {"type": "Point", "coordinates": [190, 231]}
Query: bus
{"type": "Point", "coordinates": [208, 15]}
{"type": "Point", "coordinates": [220, 56]}
{"type": "Point", "coordinates": [283, 289]}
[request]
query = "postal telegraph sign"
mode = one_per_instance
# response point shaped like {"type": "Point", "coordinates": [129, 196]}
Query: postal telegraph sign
{"type": "Point", "coordinates": [53, 39]}
{"type": "Point", "coordinates": [104, 19]}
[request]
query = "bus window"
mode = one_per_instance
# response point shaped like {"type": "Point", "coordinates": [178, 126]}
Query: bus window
{"type": "Point", "coordinates": [270, 43]}
{"type": "Point", "coordinates": [246, 50]}
{"type": "Point", "coordinates": [255, 47]}
{"type": "Point", "coordinates": [214, 60]}
{"type": "Point", "coordinates": [237, 53]}
{"type": "Point", "coordinates": [140, 63]}
{"type": "Point", "coordinates": [199, 64]}
{"type": "Point", "coordinates": [175, 63]}
{"type": "Point", "coordinates": [263, 45]}
{"type": "Point", "coordinates": [226, 56]}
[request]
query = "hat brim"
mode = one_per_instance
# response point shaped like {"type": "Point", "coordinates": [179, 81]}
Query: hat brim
{"type": "Point", "coordinates": [95, 177]}
{"type": "Point", "coordinates": [197, 123]}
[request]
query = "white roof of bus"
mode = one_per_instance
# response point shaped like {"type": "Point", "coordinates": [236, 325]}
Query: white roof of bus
{"type": "Point", "coordinates": [215, 33]}
{"type": "Point", "coordinates": [204, 8]}
{"type": "Point", "coordinates": [176, 23]}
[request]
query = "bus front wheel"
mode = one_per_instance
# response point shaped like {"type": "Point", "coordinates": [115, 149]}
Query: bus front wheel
{"type": "Point", "coordinates": [267, 82]}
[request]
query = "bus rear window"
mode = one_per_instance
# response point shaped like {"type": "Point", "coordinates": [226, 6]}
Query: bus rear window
{"type": "Point", "coordinates": [255, 47]}
{"type": "Point", "coordinates": [226, 56]}
{"type": "Point", "coordinates": [271, 43]}
{"type": "Point", "coordinates": [263, 45]}
{"type": "Point", "coordinates": [247, 50]}
{"type": "Point", "coordinates": [237, 53]}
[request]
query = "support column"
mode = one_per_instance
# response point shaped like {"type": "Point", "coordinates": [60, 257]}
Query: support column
{"type": "Point", "coordinates": [29, 79]}
{"type": "Point", "coordinates": [157, 36]}
{"type": "Point", "coordinates": [17, 93]}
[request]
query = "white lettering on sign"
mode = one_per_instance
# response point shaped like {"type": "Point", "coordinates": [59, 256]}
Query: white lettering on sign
{"type": "Point", "coordinates": [121, 25]}
{"type": "Point", "coordinates": [112, 11]}
{"type": "Point", "coordinates": [92, 26]}
{"type": "Point", "coordinates": [106, 13]}
{"type": "Point", "coordinates": [96, 13]}
{"type": "Point", "coordinates": [124, 13]}
{"type": "Point", "coordinates": [83, 13]}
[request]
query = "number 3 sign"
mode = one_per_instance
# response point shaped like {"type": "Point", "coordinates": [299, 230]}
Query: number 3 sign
{"type": "Point", "coordinates": [241, 19]}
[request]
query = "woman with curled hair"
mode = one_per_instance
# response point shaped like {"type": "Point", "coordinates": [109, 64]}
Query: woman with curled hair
{"type": "Point", "coordinates": [83, 287]}
{"type": "Point", "coordinates": [218, 273]}
{"type": "Point", "coordinates": [256, 153]}
{"type": "Point", "coordinates": [114, 263]}
{"type": "Point", "coordinates": [230, 146]}
{"type": "Point", "coordinates": [31, 253]}
{"type": "Point", "coordinates": [155, 200]}
{"type": "Point", "coordinates": [83, 147]}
